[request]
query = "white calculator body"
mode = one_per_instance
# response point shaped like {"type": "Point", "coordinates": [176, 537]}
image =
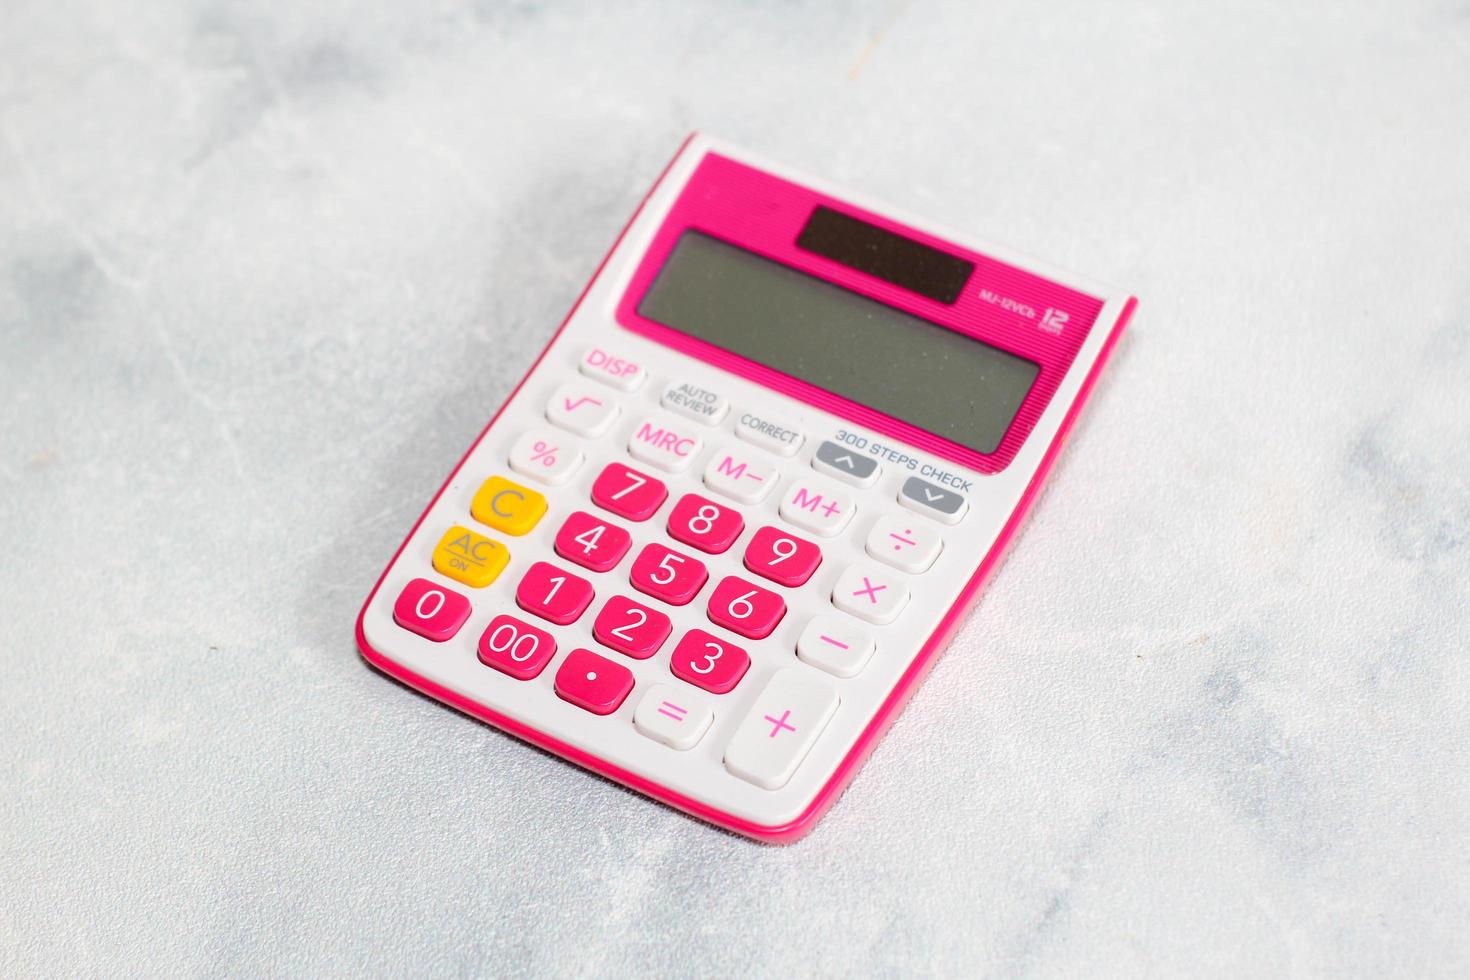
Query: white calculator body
{"type": "Point", "coordinates": [720, 531]}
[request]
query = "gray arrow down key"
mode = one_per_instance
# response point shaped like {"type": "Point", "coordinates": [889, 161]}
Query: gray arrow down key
{"type": "Point", "coordinates": [928, 498]}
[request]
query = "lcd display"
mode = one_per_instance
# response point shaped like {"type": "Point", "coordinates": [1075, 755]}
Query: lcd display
{"type": "Point", "coordinates": [919, 372]}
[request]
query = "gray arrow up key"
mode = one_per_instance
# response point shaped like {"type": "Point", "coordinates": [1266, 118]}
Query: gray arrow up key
{"type": "Point", "coordinates": [935, 501]}
{"type": "Point", "coordinates": [845, 464]}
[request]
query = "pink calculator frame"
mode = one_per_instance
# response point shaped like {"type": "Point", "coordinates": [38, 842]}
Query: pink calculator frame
{"type": "Point", "coordinates": [710, 203]}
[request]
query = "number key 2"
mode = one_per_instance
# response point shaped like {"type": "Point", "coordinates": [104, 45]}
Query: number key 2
{"type": "Point", "coordinates": [704, 524]}
{"type": "Point", "coordinates": [592, 542]}
{"type": "Point", "coordinates": [553, 594]}
{"type": "Point", "coordinates": [631, 628]}
{"type": "Point", "coordinates": [746, 609]}
{"type": "Point", "coordinates": [709, 662]}
{"type": "Point", "coordinates": [628, 493]}
{"type": "Point", "coordinates": [783, 558]}
{"type": "Point", "coordinates": [665, 574]}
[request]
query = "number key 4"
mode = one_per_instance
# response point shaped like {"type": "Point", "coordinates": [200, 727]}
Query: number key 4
{"type": "Point", "coordinates": [591, 542]}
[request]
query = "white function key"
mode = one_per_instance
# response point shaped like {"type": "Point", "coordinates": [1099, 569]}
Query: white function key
{"type": "Point", "coordinates": [612, 369]}
{"type": "Point", "coordinates": [906, 544]}
{"type": "Point", "coordinates": [670, 716]}
{"type": "Point", "coordinates": [740, 476]}
{"type": "Point", "coordinates": [546, 456]}
{"type": "Point", "coordinates": [781, 728]}
{"type": "Point", "coordinates": [932, 500]}
{"type": "Point", "coordinates": [817, 508]}
{"type": "Point", "coordinates": [871, 593]}
{"type": "Point", "coordinates": [694, 402]}
{"type": "Point", "coordinates": [582, 409]}
{"type": "Point", "coordinates": [846, 464]}
{"type": "Point", "coordinates": [775, 435]}
{"type": "Point", "coordinates": [836, 645]}
{"type": "Point", "coordinates": [665, 446]}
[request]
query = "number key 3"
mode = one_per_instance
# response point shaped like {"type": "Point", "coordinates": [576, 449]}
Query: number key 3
{"type": "Point", "coordinates": [709, 662]}
{"type": "Point", "coordinates": [591, 542]}
{"type": "Point", "coordinates": [746, 609]}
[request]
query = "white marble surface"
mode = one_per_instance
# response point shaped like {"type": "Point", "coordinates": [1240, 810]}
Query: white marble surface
{"type": "Point", "coordinates": [264, 274]}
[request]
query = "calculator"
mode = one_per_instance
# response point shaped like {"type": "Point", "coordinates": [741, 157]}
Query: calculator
{"type": "Point", "coordinates": [722, 528]}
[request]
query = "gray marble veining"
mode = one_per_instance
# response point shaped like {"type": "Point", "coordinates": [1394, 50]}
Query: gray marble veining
{"type": "Point", "coordinates": [265, 273]}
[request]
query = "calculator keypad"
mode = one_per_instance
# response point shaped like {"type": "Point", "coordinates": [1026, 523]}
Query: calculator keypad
{"type": "Point", "coordinates": [554, 595]}
{"type": "Point", "coordinates": [839, 639]}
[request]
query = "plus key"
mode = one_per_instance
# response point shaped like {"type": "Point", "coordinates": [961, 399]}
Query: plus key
{"type": "Point", "coordinates": [780, 729]}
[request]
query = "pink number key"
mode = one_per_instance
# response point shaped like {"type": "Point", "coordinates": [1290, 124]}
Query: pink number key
{"type": "Point", "coordinates": [553, 594]}
{"type": "Point", "coordinates": [707, 661]}
{"type": "Point", "coordinates": [783, 558]}
{"type": "Point", "coordinates": [631, 628]}
{"type": "Point", "coordinates": [704, 524]}
{"type": "Point", "coordinates": [745, 609]}
{"type": "Point", "coordinates": [628, 493]}
{"type": "Point", "coordinates": [665, 574]}
{"type": "Point", "coordinates": [592, 542]}
{"type": "Point", "coordinates": [430, 610]}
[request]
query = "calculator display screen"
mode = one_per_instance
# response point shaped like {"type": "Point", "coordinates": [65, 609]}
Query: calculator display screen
{"type": "Point", "coordinates": [919, 372]}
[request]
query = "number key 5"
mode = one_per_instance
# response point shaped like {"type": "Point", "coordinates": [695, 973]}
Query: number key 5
{"type": "Point", "coordinates": [746, 609]}
{"type": "Point", "coordinates": [709, 662]}
{"type": "Point", "coordinates": [704, 524]}
{"type": "Point", "coordinates": [665, 574]}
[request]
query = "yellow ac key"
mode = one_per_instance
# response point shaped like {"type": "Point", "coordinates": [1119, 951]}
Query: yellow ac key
{"type": "Point", "coordinates": [470, 558]}
{"type": "Point", "coordinates": [507, 506]}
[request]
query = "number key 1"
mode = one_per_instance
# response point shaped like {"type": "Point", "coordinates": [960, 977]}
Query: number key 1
{"type": "Point", "coordinates": [553, 594]}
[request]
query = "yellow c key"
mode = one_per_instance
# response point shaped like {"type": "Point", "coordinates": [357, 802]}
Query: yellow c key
{"type": "Point", "coordinates": [507, 506]}
{"type": "Point", "coordinates": [470, 558]}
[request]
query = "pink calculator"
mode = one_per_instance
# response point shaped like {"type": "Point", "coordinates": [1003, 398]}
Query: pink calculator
{"type": "Point", "coordinates": [725, 524]}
